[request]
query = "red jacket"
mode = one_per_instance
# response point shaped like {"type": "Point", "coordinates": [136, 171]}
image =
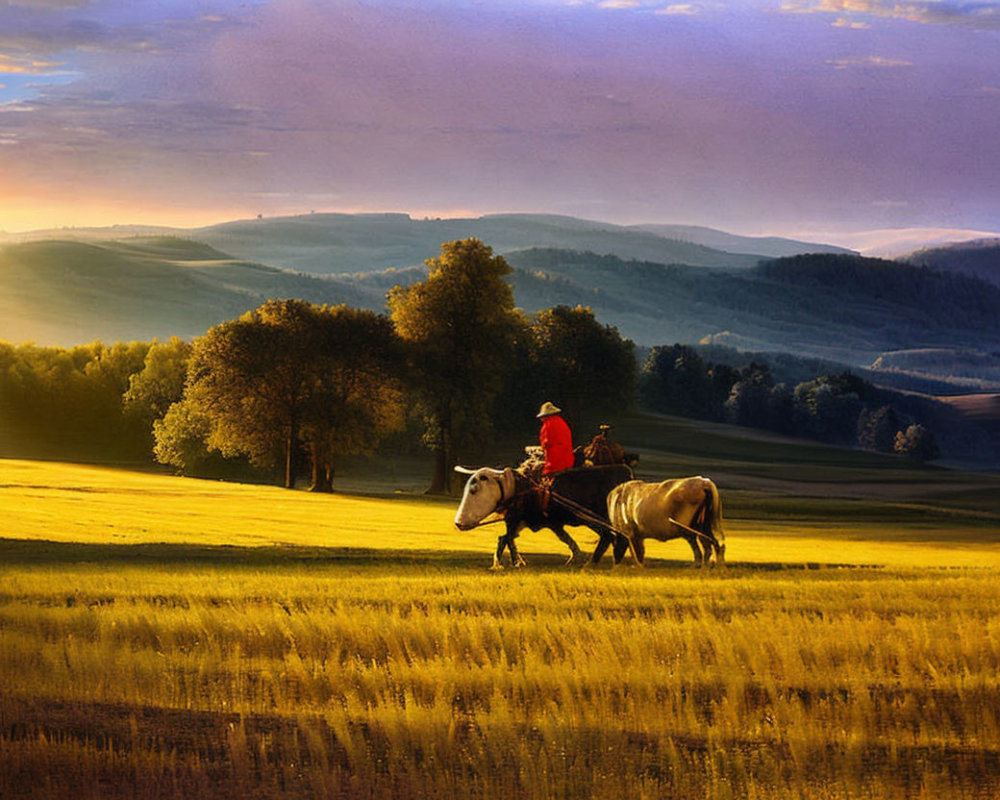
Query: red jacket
{"type": "Point", "coordinates": [557, 442]}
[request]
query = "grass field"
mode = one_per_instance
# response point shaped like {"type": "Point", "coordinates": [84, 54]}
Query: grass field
{"type": "Point", "coordinates": [171, 638]}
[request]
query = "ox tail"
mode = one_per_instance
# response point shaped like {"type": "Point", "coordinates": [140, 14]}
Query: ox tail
{"type": "Point", "coordinates": [712, 525]}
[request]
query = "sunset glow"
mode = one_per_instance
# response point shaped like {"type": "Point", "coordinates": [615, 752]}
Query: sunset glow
{"type": "Point", "coordinates": [764, 117]}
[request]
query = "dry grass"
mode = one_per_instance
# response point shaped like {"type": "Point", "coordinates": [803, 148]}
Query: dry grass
{"type": "Point", "coordinates": [255, 660]}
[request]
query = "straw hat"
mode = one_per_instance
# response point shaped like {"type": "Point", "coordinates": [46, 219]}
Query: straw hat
{"type": "Point", "coordinates": [547, 410]}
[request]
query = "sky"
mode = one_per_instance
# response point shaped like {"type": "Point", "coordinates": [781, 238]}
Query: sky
{"type": "Point", "coordinates": [768, 117]}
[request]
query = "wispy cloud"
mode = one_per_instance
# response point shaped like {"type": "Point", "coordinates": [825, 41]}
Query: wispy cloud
{"type": "Point", "coordinates": [844, 22]}
{"type": "Point", "coordinates": [680, 9]}
{"type": "Point", "coordinates": [47, 4]}
{"type": "Point", "coordinates": [983, 15]}
{"type": "Point", "coordinates": [868, 61]}
{"type": "Point", "coordinates": [14, 65]}
{"type": "Point", "coordinates": [619, 4]}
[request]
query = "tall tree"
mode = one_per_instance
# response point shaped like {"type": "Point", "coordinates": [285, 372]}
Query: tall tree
{"type": "Point", "coordinates": [357, 397]}
{"type": "Point", "coordinates": [461, 326]}
{"type": "Point", "coordinates": [247, 376]}
{"type": "Point", "coordinates": [583, 364]}
{"type": "Point", "coordinates": [292, 375]}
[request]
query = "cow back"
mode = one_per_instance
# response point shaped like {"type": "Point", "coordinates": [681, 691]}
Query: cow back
{"type": "Point", "coordinates": [589, 486]}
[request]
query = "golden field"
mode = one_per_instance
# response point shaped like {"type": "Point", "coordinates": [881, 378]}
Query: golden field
{"type": "Point", "coordinates": [163, 637]}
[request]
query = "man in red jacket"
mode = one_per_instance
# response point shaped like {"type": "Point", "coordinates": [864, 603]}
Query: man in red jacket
{"type": "Point", "coordinates": [555, 439]}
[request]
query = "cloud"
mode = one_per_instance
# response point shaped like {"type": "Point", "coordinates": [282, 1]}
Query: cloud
{"type": "Point", "coordinates": [868, 61]}
{"type": "Point", "coordinates": [844, 22]}
{"type": "Point", "coordinates": [979, 15]}
{"type": "Point", "coordinates": [680, 9]}
{"type": "Point", "coordinates": [48, 4]}
{"type": "Point", "coordinates": [14, 65]}
{"type": "Point", "coordinates": [619, 4]}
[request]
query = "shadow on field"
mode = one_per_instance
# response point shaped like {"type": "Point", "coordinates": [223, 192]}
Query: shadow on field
{"type": "Point", "coordinates": [30, 551]}
{"type": "Point", "coordinates": [26, 552]}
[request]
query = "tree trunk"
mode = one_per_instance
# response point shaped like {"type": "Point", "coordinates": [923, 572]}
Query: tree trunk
{"type": "Point", "coordinates": [441, 484]}
{"type": "Point", "coordinates": [322, 471]}
{"type": "Point", "coordinates": [293, 435]}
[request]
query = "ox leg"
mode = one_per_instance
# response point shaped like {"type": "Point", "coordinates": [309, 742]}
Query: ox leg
{"type": "Point", "coordinates": [498, 555]}
{"type": "Point", "coordinates": [639, 550]}
{"type": "Point", "coordinates": [621, 547]}
{"type": "Point", "coordinates": [515, 556]}
{"type": "Point", "coordinates": [602, 545]}
{"type": "Point", "coordinates": [513, 529]}
{"type": "Point", "coordinates": [569, 541]}
{"type": "Point", "coordinates": [696, 549]}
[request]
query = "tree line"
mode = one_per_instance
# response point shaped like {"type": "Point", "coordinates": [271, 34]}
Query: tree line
{"type": "Point", "coordinates": [839, 408]}
{"type": "Point", "coordinates": [293, 387]}
{"type": "Point", "coordinates": [292, 384]}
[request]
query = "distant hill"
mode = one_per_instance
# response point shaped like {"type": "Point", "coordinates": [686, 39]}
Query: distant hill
{"type": "Point", "coordinates": [770, 246]}
{"type": "Point", "coordinates": [65, 293]}
{"type": "Point", "coordinates": [354, 243]}
{"type": "Point", "coordinates": [980, 258]}
{"type": "Point", "coordinates": [350, 243]}
{"type": "Point", "coordinates": [846, 309]}
{"type": "Point", "coordinates": [841, 308]}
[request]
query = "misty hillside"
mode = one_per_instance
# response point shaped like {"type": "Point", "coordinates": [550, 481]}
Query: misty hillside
{"type": "Point", "coordinates": [979, 258]}
{"type": "Point", "coordinates": [350, 243]}
{"type": "Point", "coordinates": [770, 246]}
{"type": "Point", "coordinates": [73, 292]}
{"type": "Point", "coordinates": [845, 309]}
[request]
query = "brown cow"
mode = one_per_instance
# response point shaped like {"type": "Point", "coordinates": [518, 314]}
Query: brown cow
{"type": "Point", "coordinates": [687, 508]}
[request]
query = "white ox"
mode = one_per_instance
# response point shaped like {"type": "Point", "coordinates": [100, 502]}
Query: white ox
{"type": "Point", "coordinates": [686, 508]}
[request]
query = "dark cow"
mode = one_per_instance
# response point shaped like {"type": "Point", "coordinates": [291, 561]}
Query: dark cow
{"type": "Point", "coordinates": [575, 497]}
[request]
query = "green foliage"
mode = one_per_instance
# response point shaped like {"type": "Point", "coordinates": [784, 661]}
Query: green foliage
{"type": "Point", "coordinates": [67, 403]}
{"type": "Point", "coordinates": [160, 384]}
{"type": "Point", "coordinates": [675, 379]}
{"type": "Point", "coordinates": [182, 437]}
{"type": "Point", "coordinates": [918, 443]}
{"type": "Point", "coordinates": [840, 408]}
{"type": "Point", "coordinates": [829, 407]}
{"type": "Point", "coordinates": [580, 363]}
{"type": "Point", "coordinates": [462, 331]}
{"type": "Point", "coordinates": [288, 374]}
{"type": "Point", "coordinates": [877, 429]}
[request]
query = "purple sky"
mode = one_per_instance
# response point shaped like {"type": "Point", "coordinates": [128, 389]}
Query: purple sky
{"type": "Point", "coordinates": [762, 117]}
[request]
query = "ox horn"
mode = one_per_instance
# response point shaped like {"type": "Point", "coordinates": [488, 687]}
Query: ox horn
{"type": "Point", "coordinates": [464, 470]}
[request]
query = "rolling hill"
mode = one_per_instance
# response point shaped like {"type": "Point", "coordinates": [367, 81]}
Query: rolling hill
{"type": "Point", "coordinates": [842, 308]}
{"type": "Point", "coordinates": [348, 243]}
{"type": "Point", "coordinates": [980, 258]}
{"type": "Point", "coordinates": [770, 246]}
{"type": "Point", "coordinates": [66, 292]}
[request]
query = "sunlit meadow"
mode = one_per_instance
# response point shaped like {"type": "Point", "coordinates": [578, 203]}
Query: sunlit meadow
{"type": "Point", "coordinates": [164, 637]}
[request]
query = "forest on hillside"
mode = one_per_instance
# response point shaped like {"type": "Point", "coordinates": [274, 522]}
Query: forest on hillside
{"type": "Point", "coordinates": [291, 388]}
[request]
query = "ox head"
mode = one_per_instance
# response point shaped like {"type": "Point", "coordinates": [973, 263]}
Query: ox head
{"type": "Point", "coordinates": [483, 493]}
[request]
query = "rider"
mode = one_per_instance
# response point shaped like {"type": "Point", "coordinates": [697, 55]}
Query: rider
{"type": "Point", "coordinates": [555, 439]}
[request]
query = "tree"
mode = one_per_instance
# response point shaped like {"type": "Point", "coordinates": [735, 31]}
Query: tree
{"type": "Point", "coordinates": [583, 364]}
{"type": "Point", "coordinates": [676, 380]}
{"type": "Point", "coordinates": [830, 406]}
{"type": "Point", "coordinates": [918, 443]}
{"type": "Point", "coordinates": [461, 327]}
{"type": "Point", "coordinates": [160, 384]}
{"type": "Point", "coordinates": [293, 375]}
{"type": "Point", "coordinates": [249, 376]}
{"type": "Point", "coordinates": [877, 429]}
{"type": "Point", "coordinates": [749, 401]}
{"type": "Point", "coordinates": [357, 396]}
